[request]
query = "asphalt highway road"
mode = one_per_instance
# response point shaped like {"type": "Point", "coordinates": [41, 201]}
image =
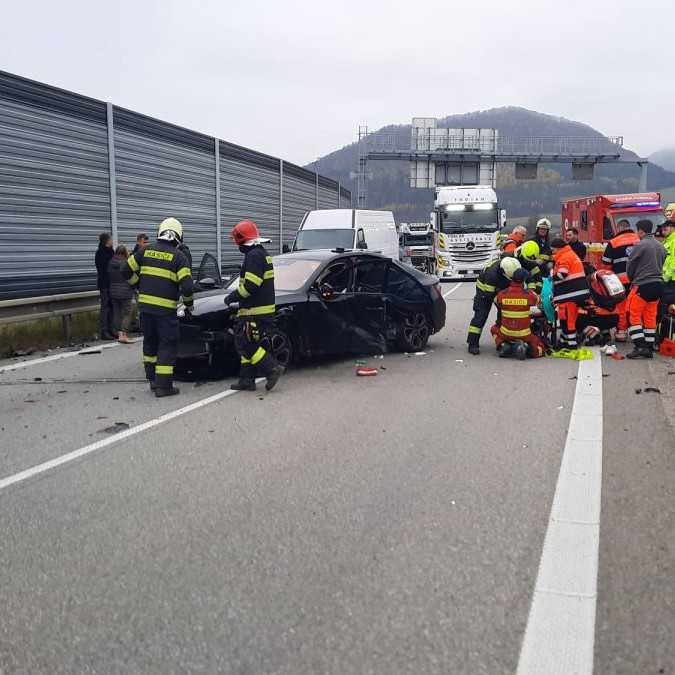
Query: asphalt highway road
{"type": "Point", "coordinates": [392, 524]}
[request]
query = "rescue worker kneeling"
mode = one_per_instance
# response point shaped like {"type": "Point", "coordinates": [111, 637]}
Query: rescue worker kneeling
{"type": "Point", "coordinates": [256, 298]}
{"type": "Point", "coordinates": [495, 277]}
{"type": "Point", "coordinates": [513, 332]}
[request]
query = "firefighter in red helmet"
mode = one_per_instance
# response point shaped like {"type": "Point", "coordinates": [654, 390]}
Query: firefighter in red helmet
{"type": "Point", "coordinates": [255, 316]}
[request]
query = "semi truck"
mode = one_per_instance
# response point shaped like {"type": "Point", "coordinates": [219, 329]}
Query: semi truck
{"type": "Point", "coordinates": [467, 221]}
{"type": "Point", "coordinates": [417, 246]}
{"type": "Point", "coordinates": [599, 217]}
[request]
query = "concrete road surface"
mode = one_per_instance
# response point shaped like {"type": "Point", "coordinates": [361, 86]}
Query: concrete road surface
{"type": "Point", "coordinates": [392, 524]}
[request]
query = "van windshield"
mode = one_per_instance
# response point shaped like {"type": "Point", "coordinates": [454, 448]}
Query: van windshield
{"type": "Point", "coordinates": [308, 240]}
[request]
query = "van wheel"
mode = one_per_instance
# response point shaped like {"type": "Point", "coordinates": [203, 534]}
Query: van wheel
{"type": "Point", "coordinates": [412, 332]}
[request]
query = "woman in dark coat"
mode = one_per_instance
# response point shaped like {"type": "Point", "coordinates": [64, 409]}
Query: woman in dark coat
{"type": "Point", "coordinates": [103, 255]}
{"type": "Point", "coordinates": [121, 294]}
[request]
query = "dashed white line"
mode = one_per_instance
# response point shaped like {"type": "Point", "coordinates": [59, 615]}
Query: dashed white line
{"type": "Point", "coordinates": [560, 632]}
{"type": "Point", "coordinates": [453, 289]}
{"type": "Point", "coordinates": [54, 357]}
{"type": "Point", "coordinates": [104, 443]}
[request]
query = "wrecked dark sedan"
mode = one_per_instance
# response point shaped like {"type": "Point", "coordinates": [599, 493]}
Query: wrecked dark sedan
{"type": "Point", "coordinates": [328, 303]}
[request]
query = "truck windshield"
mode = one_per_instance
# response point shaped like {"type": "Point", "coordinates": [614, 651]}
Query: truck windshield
{"type": "Point", "coordinates": [309, 240]}
{"type": "Point", "coordinates": [468, 221]}
{"type": "Point", "coordinates": [656, 217]}
{"type": "Point", "coordinates": [423, 240]}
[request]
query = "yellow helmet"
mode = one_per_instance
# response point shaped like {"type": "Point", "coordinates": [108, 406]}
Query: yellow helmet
{"type": "Point", "coordinates": [528, 251]}
{"type": "Point", "coordinates": [170, 229]}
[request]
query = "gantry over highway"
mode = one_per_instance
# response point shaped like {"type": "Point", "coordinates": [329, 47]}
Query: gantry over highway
{"type": "Point", "coordinates": [441, 156]}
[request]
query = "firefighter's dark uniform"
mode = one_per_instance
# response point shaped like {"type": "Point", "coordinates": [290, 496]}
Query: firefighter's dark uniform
{"type": "Point", "coordinates": [490, 281]}
{"type": "Point", "coordinates": [256, 298]}
{"type": "Point", "coordinates": [545, 252]}
{"type": "Point", "coordinates": [534, 281]}
{"type": "Point", "coordinates": [163, 275]}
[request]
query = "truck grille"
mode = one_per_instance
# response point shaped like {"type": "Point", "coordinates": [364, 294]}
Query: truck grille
{"type": "Point", "coordinates": [480, 255]}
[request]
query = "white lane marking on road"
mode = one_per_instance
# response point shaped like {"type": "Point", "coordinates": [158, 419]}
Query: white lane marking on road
{"type": "Point", "coordinates": [453, 289]}
{"type": "Point", "coordinates": [560, 632]}
{"type": "Point", "coordinates": [104, 443]}
{"type": "Point", "coordinates": [54, 357]}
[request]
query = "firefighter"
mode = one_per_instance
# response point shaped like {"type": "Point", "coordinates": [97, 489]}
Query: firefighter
{"type": "Point", "coordinates": [541, 238]}
{"type": "Point", "coordinates": [163, 275]}
{"type": "Point", "coordinates": [514, 240]}
{"type": "Point", "coordinates": [668, 297]}
{"type": "Point", "coordinates": [615, 259]}
{"type": "Point", "coordinates": [495, 277]}
{"type": "Point", "coordinates": [570, 289]}
{"type": "Point", "coordinates": [527, 254]}
{"type": "Point", "coordinates": [256, 299]}
{"type": "Point", "coordinates": [645, 271]}
{"type": "Point", "coordinates": [513, 332]}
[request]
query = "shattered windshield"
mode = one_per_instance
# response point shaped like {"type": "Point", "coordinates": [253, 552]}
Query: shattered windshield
{"type": "Point", "coordinates": [291, 274]}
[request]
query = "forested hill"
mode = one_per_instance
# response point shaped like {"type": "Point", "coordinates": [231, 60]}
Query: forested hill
{"type": "Point", "coordinates": [388, 188]}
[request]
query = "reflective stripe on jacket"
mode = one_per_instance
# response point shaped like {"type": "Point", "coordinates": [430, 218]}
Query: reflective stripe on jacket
{"type": "Point", "coordinates": [669, 264]}
{"type": "Point", "coordinates": [255, 292]}
{"type": "Point", "coordinates": [163, 275]}
{"type": "Point", "coordinates": [514, 311]}
{"type": "Point", "coordinates": [569, 280]}
{"type": "Point", "coordinates": [491, 279]}
{"type": "Point", "coordinates": [615, 256]}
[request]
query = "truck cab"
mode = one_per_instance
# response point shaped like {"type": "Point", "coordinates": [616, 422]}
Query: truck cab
{"type": "Point", "coordinates": [467, 221]}
{"type": "Point", "coordinates": [600, 217]}
{"type": "Point", "coordinates": [417, 246]}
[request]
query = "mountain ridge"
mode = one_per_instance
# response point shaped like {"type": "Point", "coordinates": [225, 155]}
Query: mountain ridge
{"type": "Point", "coordinates": [389, 188]}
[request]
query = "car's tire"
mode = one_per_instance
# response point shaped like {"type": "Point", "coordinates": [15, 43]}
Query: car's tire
{"type": "Point", "coordinates": [412, 332]}
{"type": "Point", "coordinates": [279, 344]}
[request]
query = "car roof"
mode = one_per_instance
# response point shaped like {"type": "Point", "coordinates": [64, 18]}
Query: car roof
{"type": "Point", "coordinates": [325, 254]}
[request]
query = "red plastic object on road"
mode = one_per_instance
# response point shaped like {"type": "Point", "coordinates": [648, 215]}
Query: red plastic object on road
{"type": "Point", "coordinates": [667, 347]}
{"type": "Point", "coordinates": [366, 372]}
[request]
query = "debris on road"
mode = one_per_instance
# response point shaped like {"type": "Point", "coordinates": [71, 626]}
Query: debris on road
{"type": "Point", "coordinates": [462, 361]}
{"type": "Point", "coordinates": [115, 428]}
{"type": "Point", "coordinates": [638, 391]}
{"type": "Point", "coordinates": [93, 350]}
{"type": "Point", "coordinates": [366, 372]}
{"type": "Point", "coordinates": [617, 357]}
{"type": "Point", "coordinates": [653, 390]}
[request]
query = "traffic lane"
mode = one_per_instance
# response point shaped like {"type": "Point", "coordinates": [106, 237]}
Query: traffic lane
{"type": "Point", "coordinates": [312, 530]}
{"type": "Point", "coordinates": [636, 593]}
{"type": "Point", "coordinates": [40, 421]}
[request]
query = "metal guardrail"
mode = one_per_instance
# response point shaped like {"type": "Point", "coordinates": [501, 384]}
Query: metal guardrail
{"type": "Point", "coordinates": [49, 307]}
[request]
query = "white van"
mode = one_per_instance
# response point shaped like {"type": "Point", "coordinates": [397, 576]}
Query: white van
{"type": "Point", "coordinates": [348, 229]}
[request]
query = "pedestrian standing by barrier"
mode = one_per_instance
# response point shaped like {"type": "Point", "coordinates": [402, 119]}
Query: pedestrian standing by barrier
{"type": "Point", "coordinates": [645, 272]}
{"type": "Point", "coordinates": [142, 241]}
{"type": "Point", "coordinates": [102, 259]}
{"type": "Point", "coordinates": [121, 294]}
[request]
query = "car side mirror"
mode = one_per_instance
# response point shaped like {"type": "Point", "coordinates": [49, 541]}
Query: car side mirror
{"type": "Point", "coordinates": [285, 248]}
{"type": "Point", "coordinates": [361, 245]}
{"type": "Point", "coordinates": [326, 292]}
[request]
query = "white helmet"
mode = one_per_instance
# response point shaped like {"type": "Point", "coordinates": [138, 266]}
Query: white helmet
{"type": "Point", "coordinates": [544, 224]}
{"type": "Point", "coordinates": [509, 266]}
{"type": "Point", "coordinates": [170, 229]}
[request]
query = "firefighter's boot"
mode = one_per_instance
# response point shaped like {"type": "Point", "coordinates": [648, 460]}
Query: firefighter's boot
{"type": "Point", "coordinates": [160, 392]}
{"type": "Point", "coordinates": [271, 370]}
{"type": "Point", "coordinates": [472, 340]}
{"type": "Point", "coordinates": [520, 350]}
{"type": "Point", "coordinates": [246, 379]}
{"type": "Point", "coordinates": [505, 350]}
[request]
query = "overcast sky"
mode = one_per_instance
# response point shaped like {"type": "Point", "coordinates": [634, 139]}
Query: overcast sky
{"type": "Point", "coordinates": [296, 78]}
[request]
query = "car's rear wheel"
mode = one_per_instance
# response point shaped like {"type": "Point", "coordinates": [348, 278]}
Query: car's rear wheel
{"type": "Point", "coordinates": [280, 346]}
{"type": "Point", "coordinates": [412, 332]}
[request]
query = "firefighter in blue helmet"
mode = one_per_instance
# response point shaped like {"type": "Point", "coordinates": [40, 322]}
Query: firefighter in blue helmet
{"type": "Point", "coordinates": [163, 275]}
